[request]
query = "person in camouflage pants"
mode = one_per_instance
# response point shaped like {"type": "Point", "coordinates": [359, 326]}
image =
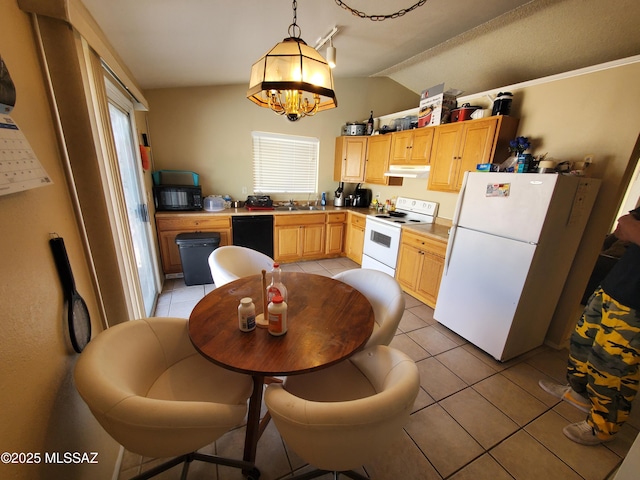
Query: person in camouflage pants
{"type": "Point", "coordinates": [604, 353]}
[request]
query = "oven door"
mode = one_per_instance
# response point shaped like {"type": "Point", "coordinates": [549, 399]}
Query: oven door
{"type": "Point", "coordinates": [382, 242]}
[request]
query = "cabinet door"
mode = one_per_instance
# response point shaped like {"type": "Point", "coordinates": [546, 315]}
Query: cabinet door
{"type": "Point", "coordinates": [401, 147]}
{"type": "Point", "coordinates": [429, 279]}
{"type": "Point", "coordinates": [287, 245]}
{"type": "Point", "coordinates": [356, 243]}
{"type": "Point", "coordinates": [378, 152]}
{"type": "Point", "coordinates": [312, 240]}
{"type": "Point", "coordinates": [444, 157]}
{"type": "Point", "coordinates": [409, 265]}
{"type": "Point", "coordinates": [335, 239]}
{"type": "Point", "coordinates": [477, 146]}
{"type": "Point", "coordinates": [421, 146]}
{"type": "Point", "coordinates": [350, 159]}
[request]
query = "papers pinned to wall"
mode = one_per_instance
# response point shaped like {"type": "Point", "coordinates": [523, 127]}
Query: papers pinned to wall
{"type": "Point", "coordinates": [19, 167]}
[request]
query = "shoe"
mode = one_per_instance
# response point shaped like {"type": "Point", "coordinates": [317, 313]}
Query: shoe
{"type": "Point", "coordinates": [584, 434]}
{"type": "Point", "coordinates": [566, 393]}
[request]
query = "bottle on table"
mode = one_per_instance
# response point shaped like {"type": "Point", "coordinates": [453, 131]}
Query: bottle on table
{"type": "Point", "coordinates": [276, 287]}
{"type": "Point", "coordinates": [246, 315]}
{"type": "Point", "coordinates": [277, 316]}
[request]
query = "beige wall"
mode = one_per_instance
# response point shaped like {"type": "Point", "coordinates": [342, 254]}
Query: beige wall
{"type": "Point", "coordinates": [208, 129]}
{"type": "Point", "coordinates": [40, 409]}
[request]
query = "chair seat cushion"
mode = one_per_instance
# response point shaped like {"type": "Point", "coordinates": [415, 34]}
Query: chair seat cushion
{"type": "Point", "coordinates": [195, 379]}
{"type": "Point", "coordinates": [338, 383]}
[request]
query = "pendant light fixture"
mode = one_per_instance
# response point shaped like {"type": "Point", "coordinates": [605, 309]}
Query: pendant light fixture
{"type": "Point", "coordinates": [292, 79]}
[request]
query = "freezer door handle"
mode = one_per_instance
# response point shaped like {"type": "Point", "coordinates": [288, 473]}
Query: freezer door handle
{"type": "Point", "coordinates": [447, 255]}
{"type": "Point", "coordinates": [456, 215]}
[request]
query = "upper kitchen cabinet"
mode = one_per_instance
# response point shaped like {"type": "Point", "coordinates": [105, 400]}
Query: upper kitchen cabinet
{"type": "Point", "coordinates": [378, 151]}
{"type": "Point", "coordinates": [412, 147]}
{"type": "Point", "coordinates": [459, 147]}
{"type": "Point", "coordinates": [350, 159]}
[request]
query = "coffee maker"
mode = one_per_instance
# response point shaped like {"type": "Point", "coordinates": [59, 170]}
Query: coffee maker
{"type": "Point", "coordinates": [361, 197]}
{"type": "Point", "coordinates": [338, 196]}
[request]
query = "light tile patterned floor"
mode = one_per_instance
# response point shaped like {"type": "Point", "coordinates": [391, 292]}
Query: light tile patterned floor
{"type": "Point", "coordinates": [474, 418]}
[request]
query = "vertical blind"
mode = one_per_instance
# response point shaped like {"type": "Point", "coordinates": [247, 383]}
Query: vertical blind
{"type": "Point", "coordinates": [284, 163]}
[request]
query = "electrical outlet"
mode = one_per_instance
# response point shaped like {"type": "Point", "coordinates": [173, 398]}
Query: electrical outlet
{"type": "Point", "coordinates": [378, 195]}
{"type": "Point", "coordinates": [588, 159]}
{"type": "Point", "coordinates": [244, 190]}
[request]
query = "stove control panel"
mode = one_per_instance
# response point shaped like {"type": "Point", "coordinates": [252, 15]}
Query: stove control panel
{"type": "Point", "coordinates": [417, 206]}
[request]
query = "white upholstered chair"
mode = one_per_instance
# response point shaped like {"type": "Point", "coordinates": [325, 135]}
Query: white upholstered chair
{"type": "Point", "coordinates": [157, 396]}
{"type": "Point", "coordinates": [341, 417]}
{"type": "Point", "coordinates": [231, 262]}
{"type": "Point", "coordinates": [385, 295]}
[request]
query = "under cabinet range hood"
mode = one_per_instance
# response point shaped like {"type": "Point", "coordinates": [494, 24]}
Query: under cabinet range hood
{"type": "Point", "coordinates": [408, 171]}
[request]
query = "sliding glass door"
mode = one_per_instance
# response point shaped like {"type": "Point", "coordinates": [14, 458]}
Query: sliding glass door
{"type": "Point", "coordinates": [122, 118]}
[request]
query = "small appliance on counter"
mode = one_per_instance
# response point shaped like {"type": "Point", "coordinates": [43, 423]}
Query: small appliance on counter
{"type": "Point", "coordinates": [176, 190]}
{"type": "Point", "coordinates": [338, 196]}
{"type": "Point", "coordinates": [259, 202]}
{"type": "Point", "coordinates": [361, 197]}
{"type": "Point", "coordinates": [213, 203]}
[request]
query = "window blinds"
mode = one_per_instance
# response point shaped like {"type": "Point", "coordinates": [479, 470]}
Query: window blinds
{"type": "Point", "coordinates": [284, 163]}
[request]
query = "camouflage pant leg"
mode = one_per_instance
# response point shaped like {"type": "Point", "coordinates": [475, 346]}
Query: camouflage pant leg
{"type": "Point", "coordinates": [611, 363]}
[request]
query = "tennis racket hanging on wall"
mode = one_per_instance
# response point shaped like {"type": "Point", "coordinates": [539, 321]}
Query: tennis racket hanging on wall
{"type": "Point", "coordinates": [78, 319]}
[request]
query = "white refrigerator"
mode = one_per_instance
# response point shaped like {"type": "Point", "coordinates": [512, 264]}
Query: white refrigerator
{"type": "Point", "coordinates": [512, 242]}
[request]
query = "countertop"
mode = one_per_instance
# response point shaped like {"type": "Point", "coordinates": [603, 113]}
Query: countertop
{"type": "Point", "coordinates": [244, 211]}
{"type": "Point", "coordinates": [436, 230]}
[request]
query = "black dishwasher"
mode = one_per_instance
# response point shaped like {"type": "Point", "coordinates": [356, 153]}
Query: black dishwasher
{"type": "Point", "coordinates": [254, 231]}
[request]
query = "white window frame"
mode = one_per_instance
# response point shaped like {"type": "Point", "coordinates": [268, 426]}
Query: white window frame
{"type": "Point", "coordinates": [285, 163]}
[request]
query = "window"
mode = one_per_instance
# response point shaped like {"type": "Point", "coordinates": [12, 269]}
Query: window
{"type": "Point", "coordinates": [284, 163]}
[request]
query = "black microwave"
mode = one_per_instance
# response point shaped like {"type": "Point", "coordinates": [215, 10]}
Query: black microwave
{"type": "Point", "coordinates": [177, 197]}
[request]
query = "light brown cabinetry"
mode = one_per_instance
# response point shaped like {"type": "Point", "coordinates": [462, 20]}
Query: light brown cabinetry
{"type": "Point", "coordinates": [420, 266]}
{"type": "Point", "coordinates": [169, 226]}
{"type": "Point", "coordinates": [378, 152]}
{"type": "Point", "coordinates": [459, 147]}
{"type": "Point", "coordinates": [355, 236]}
{"type": "Point", "coordinates": [299, 237]}
{"type": "Point", "coordinates": [334, 243]}
{"type": "Point", "coordinates": [412, 147]}
{"type": "Point", "coordinates": [350, 158]}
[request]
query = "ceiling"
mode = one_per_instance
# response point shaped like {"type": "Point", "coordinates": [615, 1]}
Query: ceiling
{"type": "Point", "coordinates": [170, 43]}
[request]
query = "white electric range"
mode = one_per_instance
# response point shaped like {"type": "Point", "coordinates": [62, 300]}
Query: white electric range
{"type": "Point", "coordinates": [383, 230]}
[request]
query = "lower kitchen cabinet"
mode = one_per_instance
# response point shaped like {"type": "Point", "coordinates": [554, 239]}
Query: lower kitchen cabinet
{"type": "Point", "coordinates": [334, 243]}
{"type": "Point", "coordinates": [354, 243]}
{"type": "Point", "coordinates": [299, 237]}
{"type": "Point", "coordinates": [169, 225]}
{"type": "Point", "coordinates": [420, 266]}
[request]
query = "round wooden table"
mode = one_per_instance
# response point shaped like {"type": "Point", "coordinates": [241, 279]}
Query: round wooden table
{"type": "Point", "coordinates": [328, 321]}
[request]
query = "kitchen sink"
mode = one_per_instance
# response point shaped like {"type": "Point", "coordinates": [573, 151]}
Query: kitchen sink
{"type": "Point", "coordinates": [291, 208]}
{"type": "Point", "coordinates": [286, 208]}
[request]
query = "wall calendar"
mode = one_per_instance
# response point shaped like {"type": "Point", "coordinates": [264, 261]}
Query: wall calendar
{"type": "Point", "coordinates": [19, 167]}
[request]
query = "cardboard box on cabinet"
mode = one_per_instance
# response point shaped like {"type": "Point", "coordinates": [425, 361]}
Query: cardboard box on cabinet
{"type": "Point", "coordinates": [436, 105]}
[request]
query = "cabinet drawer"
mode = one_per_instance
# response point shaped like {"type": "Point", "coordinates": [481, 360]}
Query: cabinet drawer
{"type": "Point", "coordinates": [423, 242]}
{"type": "Point", "coordinates": [358, 219]}
{"type": "Point", "coordinates": [193, 222]}
{"type": "Point", "coordinates": [336, 217]}
{"type": "Point", "coordinates": [300, 219]}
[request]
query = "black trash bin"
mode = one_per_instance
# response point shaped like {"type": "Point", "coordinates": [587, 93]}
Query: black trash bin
{"type": "Point", "coordinates": [195, 249]}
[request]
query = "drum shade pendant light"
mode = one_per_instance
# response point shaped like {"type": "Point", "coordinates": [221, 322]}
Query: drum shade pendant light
{"type": "Point", "coordinates": [292, 79]}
